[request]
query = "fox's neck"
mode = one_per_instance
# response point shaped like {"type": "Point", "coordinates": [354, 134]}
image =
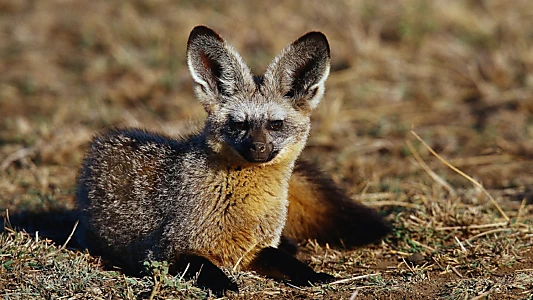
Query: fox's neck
{"type": "Point", "coordinates": [255, 183]}
{"type": "Point", "coordinates": [240, 178]}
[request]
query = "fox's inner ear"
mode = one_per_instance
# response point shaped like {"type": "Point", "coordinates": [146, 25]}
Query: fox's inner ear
{"type": "Point", "coordinates": [215, 66]}
{"type": "Point", "coordinates": [300, 71]}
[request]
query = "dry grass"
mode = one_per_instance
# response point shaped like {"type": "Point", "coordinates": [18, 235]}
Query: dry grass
{"type": "Point", "coordinates": [458, 73]}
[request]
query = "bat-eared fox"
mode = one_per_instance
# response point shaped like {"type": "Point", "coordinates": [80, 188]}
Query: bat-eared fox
{"type": "Point", "coordinates": [229, 194]}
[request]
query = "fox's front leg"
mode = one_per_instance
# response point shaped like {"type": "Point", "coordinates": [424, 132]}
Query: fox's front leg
{"type": "Point", "coordinates": [280, 265]}
{"type": "Point", "coordinates": [209, 275]}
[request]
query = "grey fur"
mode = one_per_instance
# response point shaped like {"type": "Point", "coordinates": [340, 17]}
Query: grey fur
{"type": "Point", "coordinates": [145, 196]}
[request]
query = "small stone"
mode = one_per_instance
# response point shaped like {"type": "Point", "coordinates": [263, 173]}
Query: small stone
{"type": "Point", "coordinates": [416, 258]}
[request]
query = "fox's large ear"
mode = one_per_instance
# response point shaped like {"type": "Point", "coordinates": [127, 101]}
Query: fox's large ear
{"type": "Point", "coordinates": [215, 66]}
{"type": "Point", "coordinates": [299, 72]}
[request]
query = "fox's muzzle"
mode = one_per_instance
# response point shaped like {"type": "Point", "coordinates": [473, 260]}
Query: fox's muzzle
{"type": "Point", "coordinates": [256, 147]}
{"type": "Point", "coordinates": [257, 152]}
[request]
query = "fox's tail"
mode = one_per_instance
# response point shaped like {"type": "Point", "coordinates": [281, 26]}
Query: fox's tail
{"type": "Point", "coordinates": [320, 210]}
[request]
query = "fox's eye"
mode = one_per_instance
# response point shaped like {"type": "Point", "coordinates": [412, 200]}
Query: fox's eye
{"type": "Point", "coordinates": [240, 126]}
{"type": "Point", "coordinates": [275, 125]}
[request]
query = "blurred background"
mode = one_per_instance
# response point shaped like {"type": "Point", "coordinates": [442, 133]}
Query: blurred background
{"type": "Point", "coordinates": [458, 73]}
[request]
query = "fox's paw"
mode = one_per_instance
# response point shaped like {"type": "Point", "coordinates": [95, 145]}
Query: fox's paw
{"type": "Point", "coordinates": [323, 278]}
{"type": "Point", "coordinates": [207, 274]}
{"type": "Point", "coordinates": [312, 279]}
{"type": "Point", "coordinates": [214, 279]}
{"type": "Point", "coordinates": [220, 286]}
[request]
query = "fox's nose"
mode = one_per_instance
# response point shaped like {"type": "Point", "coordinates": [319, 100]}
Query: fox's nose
{"type": "Point", "coordinates": [255, 151]}
{"type": "Point", "coordinates": [258, 147]}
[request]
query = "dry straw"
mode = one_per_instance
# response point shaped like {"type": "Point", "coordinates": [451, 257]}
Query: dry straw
{"type": "Point", "coordinates": [476, 183]}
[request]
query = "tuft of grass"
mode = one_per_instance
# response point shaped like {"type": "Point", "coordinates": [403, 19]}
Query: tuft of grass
{"type": "Point", "coordinates": [34, 268]}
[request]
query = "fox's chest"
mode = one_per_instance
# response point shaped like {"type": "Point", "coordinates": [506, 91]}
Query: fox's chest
{"type": "Point", "coordinates": [247, 212]}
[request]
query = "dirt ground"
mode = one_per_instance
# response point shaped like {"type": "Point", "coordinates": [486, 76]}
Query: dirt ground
{"type": "Point", "coordinates": [456, 74]}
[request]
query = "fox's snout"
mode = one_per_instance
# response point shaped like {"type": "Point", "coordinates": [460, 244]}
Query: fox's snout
{"type": "Point", "coordinates": [258, 152]}
{"type": "Point", "coordinates": [257, 148]}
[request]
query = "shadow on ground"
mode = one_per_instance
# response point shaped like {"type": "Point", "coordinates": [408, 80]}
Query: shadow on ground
{"type": "Point", "coordinates": [55, 225]}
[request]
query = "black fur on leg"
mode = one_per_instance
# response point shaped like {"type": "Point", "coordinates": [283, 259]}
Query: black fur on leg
{"type": "Point", "coordinates": [280, 265]}
{"type": "Point", "coordinates": [209, 275]}
{"type": "Point", "coordinates": [288, 245]}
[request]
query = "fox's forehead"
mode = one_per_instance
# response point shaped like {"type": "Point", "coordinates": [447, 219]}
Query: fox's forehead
{"type": "Point", "coordinates": [257, 109]}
